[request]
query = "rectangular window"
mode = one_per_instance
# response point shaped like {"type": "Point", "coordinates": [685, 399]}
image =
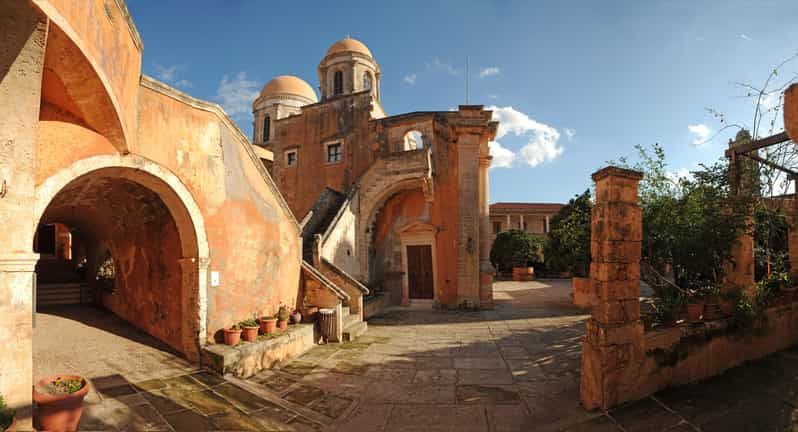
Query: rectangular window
{"type": "Point", "coordinates": [334, 153]}
{"type": "Point", "coordinates": [497, 227]}
{"type": "Point", "coordinates": [290, 158]}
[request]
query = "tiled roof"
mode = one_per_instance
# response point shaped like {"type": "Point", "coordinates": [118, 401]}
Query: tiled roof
{"type": "Point", "coordinates": [509, 206]}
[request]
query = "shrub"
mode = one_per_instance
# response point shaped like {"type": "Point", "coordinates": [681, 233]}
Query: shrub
{"type": "Point", "coordinates": [516, 248]}
{"type": "Point", "coordinates": [568, 245]}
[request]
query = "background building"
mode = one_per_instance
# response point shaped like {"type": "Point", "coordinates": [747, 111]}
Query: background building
{"type": "Point", "coordinates": [533, 218]}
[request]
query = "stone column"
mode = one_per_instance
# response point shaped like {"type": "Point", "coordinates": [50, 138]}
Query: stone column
{"type": "Point", "coordinates": [22, 44]}
{"type": "Point", "coordinates": [614, 333]}
{"type": "Point", "coordinates": [739, 272]}
{"type": "Point", "coordinates": [521, 222]}
{"type": "Point", "coordinates": [486, 270]}
{"type": "Point", "coordinates": [469, 221]}
{"type": "Point", "coordinates": [509, 227]}
{"type": "Point", "coordinates": [547, 224]}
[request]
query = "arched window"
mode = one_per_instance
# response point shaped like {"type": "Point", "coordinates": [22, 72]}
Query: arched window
{"type": "Point", "coordinates": [366, 81]}
{"type": "Point", "coordinates": [338, 83]}
{"type": "Point", "coordinates": [267, 128]}
{"type": "Point", "coordinates": [413, 140]}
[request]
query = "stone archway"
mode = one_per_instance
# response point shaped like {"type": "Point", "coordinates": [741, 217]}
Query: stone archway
{"type": "Point", "coordinates": [146, 216]}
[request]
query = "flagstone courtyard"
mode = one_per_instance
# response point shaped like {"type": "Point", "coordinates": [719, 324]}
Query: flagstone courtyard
{"type": "Point", "coordinates": [515, 368]}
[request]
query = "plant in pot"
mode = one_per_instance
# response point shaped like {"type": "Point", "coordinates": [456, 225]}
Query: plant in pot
{"type": "Point", "coordinates": [712, 302]}
{"type": "Point", "coordinates": [249, 330]}
{"type": "Point", "coordinates": [282, 317]}
{"type": "Point", "coordinates": [669, 308]}
{"type": "Point", "coordinates": [7, 420]}
{"type": "Point", "coordinates": [59, 402]}
{"type": "Point", "coordinates": [232, 334]}
{"type": "Point", "coordinates": [268, 324]}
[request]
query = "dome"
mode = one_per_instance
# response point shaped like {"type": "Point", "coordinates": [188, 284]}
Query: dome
{"type": "Point", "coordinates": [289, 85]}
{"type": "Point", "coordinates": [349, 45]}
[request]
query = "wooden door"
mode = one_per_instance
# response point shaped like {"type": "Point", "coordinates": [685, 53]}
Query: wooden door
{"type": "Point", "coordinates": [419, 272]}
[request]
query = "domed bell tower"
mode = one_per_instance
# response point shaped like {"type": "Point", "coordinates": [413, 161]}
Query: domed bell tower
{"type": "Point", "coordinates": [281, 97]}
{"type": "Point", "coordinates": [347, 68]}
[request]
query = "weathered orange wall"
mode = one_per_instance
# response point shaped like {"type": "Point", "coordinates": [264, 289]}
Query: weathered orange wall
{"type": "Point", "coordinates": [101, 31]}
{"type": "Point", "coordinates": [345, 119]}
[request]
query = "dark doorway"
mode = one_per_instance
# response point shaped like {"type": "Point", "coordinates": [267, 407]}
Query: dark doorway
{"type": "Point", "coordinates": [419, 272]}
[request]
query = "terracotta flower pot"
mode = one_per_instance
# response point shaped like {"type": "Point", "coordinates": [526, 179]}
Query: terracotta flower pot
{"type": "Point", "coordinates": [232, 336]}
{"type": "Point", "coordinates": [694, 311]}
{"type": "Point", "coordinates": [59, 412]}
{"type": "Point", "coordinates": [283, 324]}
{"type": "Point", "coordinates": [249, 334]}
{"type": "Point", "coordinates": [13, 426]}
{"type": "Point", "coordinates": [268, 325]}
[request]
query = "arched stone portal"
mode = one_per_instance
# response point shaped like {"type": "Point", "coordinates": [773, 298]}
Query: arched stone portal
{"type": "Point", "coordinates": [140, 215]}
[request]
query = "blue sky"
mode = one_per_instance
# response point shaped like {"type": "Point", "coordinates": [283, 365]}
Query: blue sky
{"type": "Point", "coordinates": [575, 84]}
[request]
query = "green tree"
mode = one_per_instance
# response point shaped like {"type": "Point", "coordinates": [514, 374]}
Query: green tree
{"type": "Point", "coordinates": [568, 244]}
{"type": "Point", "coordinates": [516, 248]}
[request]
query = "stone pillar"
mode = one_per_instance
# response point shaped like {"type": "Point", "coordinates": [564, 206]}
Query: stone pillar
{"type": "Point", "coordinates": [469, 220]}
{"type": "Point", "coordinates": [509, 227]}
{"type": "Point", "coordinates": [521, 222]}
{"type": "Point", "coordinates": [486, 270]}
{"type": "Point", "coordinates": [22, 44]}
{"type": "Point", "coordinates": [739, 272]}
{"type": "Point", "coordinates": [614, 333]}
{"type": "Point", "coordinates": [547, 224]}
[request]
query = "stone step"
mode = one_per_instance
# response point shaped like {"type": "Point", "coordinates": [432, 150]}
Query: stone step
{"type": "Point", "coordinates": [354, 331]}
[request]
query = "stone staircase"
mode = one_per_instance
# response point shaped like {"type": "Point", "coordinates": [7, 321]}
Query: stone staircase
{"type": "Point", "coordinates": [52, 294]}
{"type": "Point", "coordinates": [353, 325]}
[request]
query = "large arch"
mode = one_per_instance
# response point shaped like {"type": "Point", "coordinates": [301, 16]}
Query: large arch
{"type": "Point", "coordinates": [194, 251]}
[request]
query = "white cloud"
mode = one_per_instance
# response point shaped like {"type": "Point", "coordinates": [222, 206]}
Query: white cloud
{"type": "Point", "coordinates": [681, 173]}
{"type": "Point", "coordinates": [410, 79]}
{"type": "Point", "coordinates": [701, 132]}
{"type": "Point", "coordinates": [744, 36]}
{"type": "Point", "coordinates": [569, 133]}
{"type": "Point", "coordinates": [236, 94]}
{"type": "Point", "coordinates": [169, 75]}
{"type": "Point", "coordinates": [446, 66]}
{"type": "Point", "coordinates": [770, 100]}
{"type": "Point", "coordinates": [502, 157]}
{"type": "Point", "coordinates": [542, 140]}
{"type": "Point", "coordinates": [493, 96]}
{"type": "Point", "coordinates": [489, 71]}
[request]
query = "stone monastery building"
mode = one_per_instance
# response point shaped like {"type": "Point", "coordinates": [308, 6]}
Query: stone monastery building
{"type": "Point", "coordinates": [120, 191]}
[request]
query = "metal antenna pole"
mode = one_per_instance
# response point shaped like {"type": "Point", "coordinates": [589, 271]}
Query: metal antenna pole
{"type": "Point", "coordinates": [468, 77]}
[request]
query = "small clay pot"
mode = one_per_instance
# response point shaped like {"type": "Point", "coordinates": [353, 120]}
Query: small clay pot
{"type": "Point", "coordinates": [296, 317]}
{"type": "Point", "coordinates": [59, 412]}
{"type": "Point", "coordinates": [232, 336]}
{"type": "Point", "coordinates": [282, 324]}
{"type": "Point", "coordinates": [249, 333]}
{"type": "Point", "coordinates": [694, 311]}
{"type": "Point", "coordinates": [13, 426]}
{"type": "Point", "coordinates": [268, 325]}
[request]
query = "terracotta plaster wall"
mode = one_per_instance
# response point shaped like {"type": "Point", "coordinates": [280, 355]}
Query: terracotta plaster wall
{"type": "Point", "coordinates": [102, 32]}
{"type": "Point", "coordinates": [344, 119]}
{"type": "Point", "coordinates": [254, 242]}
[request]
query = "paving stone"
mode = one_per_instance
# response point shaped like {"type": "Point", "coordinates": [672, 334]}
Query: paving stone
{"type": "Point", "coordinates": [189, 421]}
{"type": "Point", "coordinates": [304, 395]}
{"type": "Point", "coordinates": [208, 402]}
{"type": "Point", "coordinates": [434, 363]}
{"type": "Point", "coordinates": [207, 378]}
{"type": "Point", "coordinates": [397, 375]}
{"type": "Point", "coordinates": [507, 418]}
{"type": "Point", "coordinates": [273, 417]}
{"type": "Point", "coordinates": [484, 376]}
{"type": "Point", "coordinates": [437, 418]}
{"type": "Point", "coordinates": [298, 368]}
{"type": "Point", "coordinates": [236, 421]}
{"type": "Point", "coordinates": [645, 415]}
{"type": "Point", "coordinates": [301, 424]}
{"type": "Point", "coordinates": [367, 418]}
{"type": "Point", "coordinates": [166, 404]}
{"type": "Point", "coordinates": [487, 394]}
{"type": "Point", "coordinates": [332, 406]}
{"type": "Point", "coordinates": [184, 382]}
{"type": "Point", "coordinates": [276, 382]}
{"type": "Point", "coordinates": [352, 368]}
{"type": "Point", "coordinates": [239, 397]}
{"type": "Point", "coordinates": [386, 392]}
{"type": "Point", "coordinates": [479, 363]}
{"type": "Point", "coordinates": [599, 424]}
{"type": "Point", "coordinates": [153, 384]}
{"type": "Point", "coordinates": [435, 377]}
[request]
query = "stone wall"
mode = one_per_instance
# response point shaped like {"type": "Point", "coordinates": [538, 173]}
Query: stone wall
{"type": "Point", "coordinates": [340, 241]}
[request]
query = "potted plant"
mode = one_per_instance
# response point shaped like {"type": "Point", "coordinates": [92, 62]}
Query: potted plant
{"type": "Point", "coordinates": [232, 335]}
{"type": "Point", "coordinates": [712, 305]}
{"type": "Point", "coordinates": [282, 317]}
{"type": "Point", "coordinates": [669, 309]}
{"type": "Point", "coordinates": [59, 402]}
{"type": "Point", "coordinates": [268, 324]}
{"type": "Point", "coordinates": [249, 330]}
{"type": "Point", "coordinates": [7, 420]}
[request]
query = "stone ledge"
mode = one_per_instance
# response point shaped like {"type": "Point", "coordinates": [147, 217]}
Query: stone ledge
{"type": "Point", "coordinates": [249, 358]}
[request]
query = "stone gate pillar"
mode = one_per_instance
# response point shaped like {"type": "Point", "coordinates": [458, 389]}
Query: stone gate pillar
{"type": "Point", "coordinates": [486, 270]}
{"type": "Point", "coordinates": [739, 272]}
{"type": "Point", "coordinates": [614, 333]}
